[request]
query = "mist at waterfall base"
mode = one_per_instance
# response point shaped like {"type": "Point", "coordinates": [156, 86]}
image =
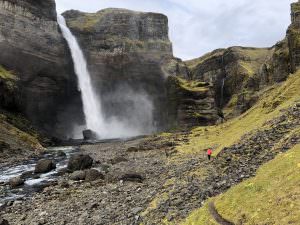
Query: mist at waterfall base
{"type": "Point", "coordinates": [128, 114]}
{"type": "Point", "coordinates": [133, 120]}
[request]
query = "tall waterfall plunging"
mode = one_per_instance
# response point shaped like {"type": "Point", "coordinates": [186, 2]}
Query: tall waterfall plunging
{"type": "Point", "coordinates": [91, 104]}
{"type": "Point", "coordinates": [138, 120]}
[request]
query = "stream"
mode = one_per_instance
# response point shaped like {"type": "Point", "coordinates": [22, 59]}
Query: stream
{"type": "Point", "coordinates": [33, 182]}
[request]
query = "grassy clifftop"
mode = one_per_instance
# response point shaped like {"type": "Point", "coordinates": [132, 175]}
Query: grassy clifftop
{"type": "Point", "coordinates": [249, 59]}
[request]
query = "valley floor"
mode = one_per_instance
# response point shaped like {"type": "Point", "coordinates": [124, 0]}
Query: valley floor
{"type": "Point", "coordinates": [174, 183]}
{"type": "Point", "coordinates": [177, 177]}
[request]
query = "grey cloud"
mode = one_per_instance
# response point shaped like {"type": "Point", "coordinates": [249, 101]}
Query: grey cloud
{"type": "Point", "coordinates": [199, 26]}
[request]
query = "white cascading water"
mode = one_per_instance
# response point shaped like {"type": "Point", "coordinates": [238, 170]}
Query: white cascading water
{"type": "Point", "coordinates": [91, 104]}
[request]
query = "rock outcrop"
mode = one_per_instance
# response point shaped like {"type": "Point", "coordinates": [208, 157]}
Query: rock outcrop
{"type": "Point", "coordinates": [16, 182]}
{"type": "Point", "coordinates": [293, 35]}
{"type": "Point", "coordinates": [44, 166]}
{"type": "Point", "coordinates": [79, 162]}
{"type": "Point", "coordinates": [229, 70]}
{"type": "Point", "coordinates": [193, 103]}
{"type": "Point", "coordinates": [33, 48]}
{"type": "Point", "coordinates": [130, 58]}
{"type": "Point", "coordinates": [239, 73]}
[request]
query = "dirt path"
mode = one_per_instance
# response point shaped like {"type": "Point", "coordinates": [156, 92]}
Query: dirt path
{"type": "Point", "coordinates": [217, 217]}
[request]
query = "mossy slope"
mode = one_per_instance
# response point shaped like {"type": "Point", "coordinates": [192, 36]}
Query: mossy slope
{"type": "Point", "coordinates": [17, 138]}
{"type": "Point", "coordinates": [272, 197]}
{"type": "Point", "coordinates": [272, 101]}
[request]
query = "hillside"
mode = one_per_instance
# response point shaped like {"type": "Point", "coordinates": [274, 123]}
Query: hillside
{"type": "Point", "coordinates": [18, 138]}
{"type": "Point", "coordinates": [253, 201]}
{"type": "Point", "coordinates": [241, 146]}
{"type": "Point", "coordinates": [271, 197]}
{"type": "Point", "coordinates": [273, 100]}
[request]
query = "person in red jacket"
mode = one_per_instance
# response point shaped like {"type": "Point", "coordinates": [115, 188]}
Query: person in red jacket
{"type": "Point", "coordinates": [209, 153]}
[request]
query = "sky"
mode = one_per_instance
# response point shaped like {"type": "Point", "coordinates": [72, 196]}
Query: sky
{"type": "Point", "coordinates": [200, 26]}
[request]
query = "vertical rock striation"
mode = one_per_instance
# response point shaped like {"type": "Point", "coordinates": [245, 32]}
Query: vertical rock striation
{"type": "Point", "coordinates": [293, 35]}
{"type": "Point", "coordinates": [32, 46]}
{"type": "Point", "coordinates": [130, 58]}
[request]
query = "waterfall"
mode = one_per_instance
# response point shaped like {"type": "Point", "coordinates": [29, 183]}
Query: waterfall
{"type": "Point", "coordinates": [222, 92]}
{"type": "Point", "coordinates": [91, 103]}
{"type": "Point", "coordinates": [223, 81]}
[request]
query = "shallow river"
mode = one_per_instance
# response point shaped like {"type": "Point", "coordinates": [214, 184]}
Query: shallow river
{"type": "Point", "coordinates": [33, 182]}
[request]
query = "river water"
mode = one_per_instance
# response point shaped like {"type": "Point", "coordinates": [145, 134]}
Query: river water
{"type": "Point", "coordinates": [33, 182]}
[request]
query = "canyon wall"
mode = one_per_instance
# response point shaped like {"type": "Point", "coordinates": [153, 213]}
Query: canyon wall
{"type": "Point", "coordinates": [238, 74]}
{"type": "Point", "coordinates": [130, 59]}
{"type": "Point", "coordinates": [129, 56]}
{"type": "Point", "coordinates": [33, 49]}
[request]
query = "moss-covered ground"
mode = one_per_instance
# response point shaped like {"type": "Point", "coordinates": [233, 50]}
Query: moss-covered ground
{"type": "Point", "coordinates": [194, 85]}
{"type": "Point", "coordinates": [270, 105]}
{"type": "Point", "coordinates": [271, 197]}
{"type": "Point", "coordinates": [14, 136]}
{"type": "Point", "coordinates": [5, 74]}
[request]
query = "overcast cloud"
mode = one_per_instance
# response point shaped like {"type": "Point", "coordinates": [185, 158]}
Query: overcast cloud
{"type": "Point", "coordinates": [200, 26]}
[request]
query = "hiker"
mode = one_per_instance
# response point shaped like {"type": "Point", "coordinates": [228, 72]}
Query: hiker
{"type": "Point", "coordinates": [209, 153]}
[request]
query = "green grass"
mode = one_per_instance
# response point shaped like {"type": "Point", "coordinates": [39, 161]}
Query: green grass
{"type": "Point", "coordinates": [6, 75]}
{"type": "Point", "coordinates": [195, 62]}
{"type": "Point", "coordinates": [271, 197]}
{"type": "Point", "coordinates": [8, 130]}
{"type": "Point", "coordinates": [295, 7]}
{"type": "Point", "coordinates": [201, 216]}
{"type": "Point", "coordinates": [280, 96]}
{"type": "Point", "coordinates": [194, 86]}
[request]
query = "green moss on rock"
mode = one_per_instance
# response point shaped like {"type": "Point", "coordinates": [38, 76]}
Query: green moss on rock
{"type": "Point", "coordinates": [6, 75]}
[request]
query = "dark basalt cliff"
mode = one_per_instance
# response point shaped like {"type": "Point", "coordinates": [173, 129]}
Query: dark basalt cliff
{"type": "Point", "coordinates": [129, 53]}
{"type": "Point", "coordinates": [293, 34]}
{"type": "Point", "coordinates": [238, 74]}
{"type": "Point", "coordinates": [129, 56]}
{"type": "Point", "coordinates": [32, 46]}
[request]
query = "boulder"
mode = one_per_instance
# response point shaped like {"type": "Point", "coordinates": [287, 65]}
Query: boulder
{"type": "Point", "coordinates": [89, 135]}
{"type": "Point", "coordinates": [61, 154]}
{"type": "Point", "coordinates": [118, 160]}
{"type": "Point", "coordinates": [3, 146]}
{"type": "Point", "coordinates": [78, 175]}
{"type": "Point", "coordinates": [3, 222]}
{"type": "Point", "coordinates": [44, 166]}
{"type": "Point", "coordinates": [26, 175]}
{"type": "Point", "coordinates": [132, 149]}
{"type": "Point", "coordinates": [64, 184]}
{"type": "Point", "coordinates": [133, 177]}
{"type": "Point", "coordinates": [16, 182]}
{"type": "Point", "coordinates": [79, 162]}
{"type": "Point", "coordinates": [93, 174]}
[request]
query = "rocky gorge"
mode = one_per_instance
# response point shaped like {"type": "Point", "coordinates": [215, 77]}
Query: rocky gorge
{"type": "Point", "coordinates": [242, 102]}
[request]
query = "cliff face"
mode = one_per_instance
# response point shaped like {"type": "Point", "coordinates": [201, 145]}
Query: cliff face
{"type": "Point", "coordinates": [293, 35]}
{"type": "Point", "coordinates": [238, 73]}
{"type": "Point", "coordinates": [129, 56]}
{"type": "Point", "coordinates": [229, 70]}
{"type": "Point", "coordinates": [32, 46]}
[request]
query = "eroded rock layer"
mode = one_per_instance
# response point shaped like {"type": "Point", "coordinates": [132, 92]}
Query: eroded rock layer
{"type": "Point", "coordinates": [32, 46]}
{"type": "Point", "coordinates": [130, 58]}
